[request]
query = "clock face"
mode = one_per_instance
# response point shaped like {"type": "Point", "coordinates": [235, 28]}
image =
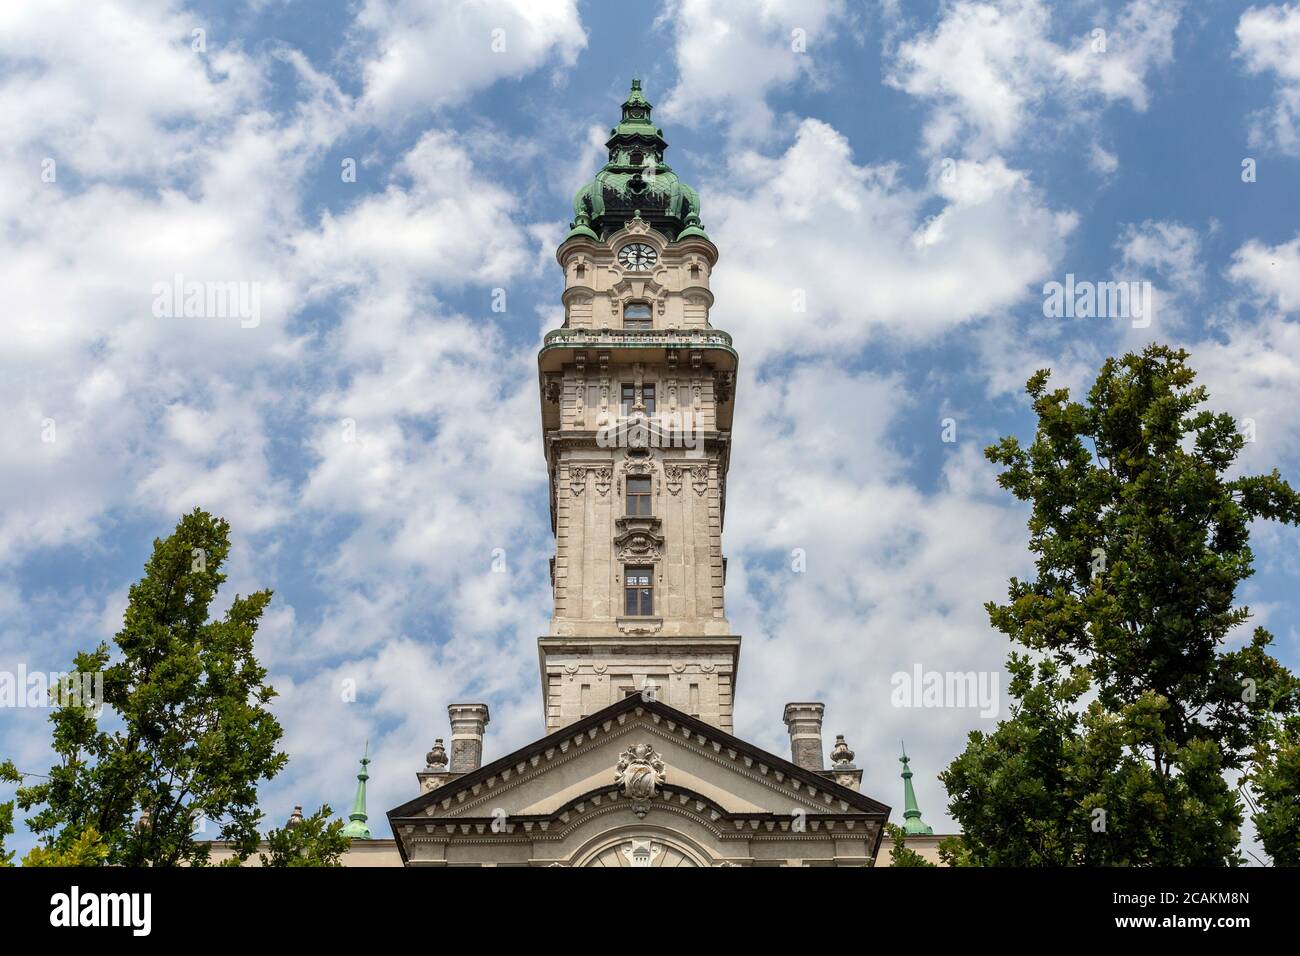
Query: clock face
{"type": "Point", "coordinates": [637, 256]}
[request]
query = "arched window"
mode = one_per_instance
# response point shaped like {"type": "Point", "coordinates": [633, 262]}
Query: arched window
{"type": "Point", "coordinates": [636, 315]}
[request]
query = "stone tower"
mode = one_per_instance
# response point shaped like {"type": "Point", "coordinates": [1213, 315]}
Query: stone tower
{"type": "Point", "coordinates": [637, 392]}
{"type": "Point", "coordinates": [640, 764]}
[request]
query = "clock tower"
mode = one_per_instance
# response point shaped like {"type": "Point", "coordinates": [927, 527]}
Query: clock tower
{"type": "Point", "coordinates": [637, 394]}
{"type": "Point", "coordinates": [640, 764]}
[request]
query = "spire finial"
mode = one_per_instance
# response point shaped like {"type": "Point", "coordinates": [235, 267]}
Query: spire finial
{"type": "Point", "coordinates": [913, 825]}
{"type": "Point", "coordinates": [357, 827]}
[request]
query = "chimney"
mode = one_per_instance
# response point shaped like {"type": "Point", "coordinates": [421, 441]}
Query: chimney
{"type": "Point", "coordinates": [468, 721]}
{"type": "Point", "coordinates": [804, 721]}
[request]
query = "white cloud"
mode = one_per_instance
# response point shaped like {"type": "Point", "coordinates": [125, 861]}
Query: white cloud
{"type": "Point", "coordinates": [176, 173]}
{"type": "Point", "coordinates": [894, 576]}
{"type": "Point", "coordinates": [730, 55]}
{"type": "Point", "coordinates": [434, 53]}
{"type": "Point", "coordinates": [1268, 41]}
{"type": "Point", "coordinates": [113, 88]}
{"type": "Point", "coordinates": [1102, 160]}
{"type": "Point", "coordinates": [869, 254]}
{"type": "Point", "coordinates": [990, 66]}
{"type": "Point", "coordinates": [1271, 272]}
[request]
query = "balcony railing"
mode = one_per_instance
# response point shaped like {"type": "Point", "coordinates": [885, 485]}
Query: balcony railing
{"type": "Point", "coordinates": [665, 338]}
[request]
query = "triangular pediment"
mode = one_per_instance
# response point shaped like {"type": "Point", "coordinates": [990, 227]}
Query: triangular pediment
{"type": "Point", "coordinates": [707, 774]}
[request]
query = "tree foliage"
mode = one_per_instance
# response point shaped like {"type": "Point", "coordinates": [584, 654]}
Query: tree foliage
{"type": "Point", "coordinates": [8, 774]}
{"type": "Point", "coordinates": [900, 854]}
{"type": "Point", "coordinates": [313, 841]}
{"type": "Point", "coordinates": [1275, 782]}
{"type": "Point", "coordinates": [190, 735]}
{"type": "Point", "coordinates": [1128, 707]}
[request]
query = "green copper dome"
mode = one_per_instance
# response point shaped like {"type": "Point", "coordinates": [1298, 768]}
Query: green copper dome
{"type": "Point", "coordinates": [636, 178]}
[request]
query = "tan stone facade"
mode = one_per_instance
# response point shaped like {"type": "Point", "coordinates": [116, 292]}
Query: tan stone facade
{"type": "Point", "coordinates": [637, 424]}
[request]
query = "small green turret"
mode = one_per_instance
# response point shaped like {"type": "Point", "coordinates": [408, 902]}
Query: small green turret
{"type": "Point", "coordinates": [913, 825]}
{"type": "Point", "coordinates": [357, 828]}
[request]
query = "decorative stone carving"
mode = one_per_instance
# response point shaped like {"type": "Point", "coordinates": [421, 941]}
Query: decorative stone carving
{"type": "Point", "coordinates": [700, 479]}
{"type": "Point", "coordinates": [640, 852]}
{"type": "Point", "coordinates": [577, 479]}
{"type": "Point", "coordinates": [724, 386]}
{"type": "Point", "coordinates": [638, 538]}
{"type": "Point", "coordinates": [604, 478]}
{"type": "Point", "coordinates": [672, 478]}
{"type": "Point", "coordinates": [637, 463]}
{"type": "Point", "coordinates": [841, 755]}
{"type": "Point", "coordinates": [436, 758]}
{"type": "Point", "coordinates": [640, 770]}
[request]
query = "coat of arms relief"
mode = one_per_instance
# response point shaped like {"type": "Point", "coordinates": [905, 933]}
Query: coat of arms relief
{"type": "Point", "coordinates": [640, 770]}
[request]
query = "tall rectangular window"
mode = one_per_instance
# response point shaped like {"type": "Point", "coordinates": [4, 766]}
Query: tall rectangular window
{"type": "Point", "coordinates": [628, 397]}
{"type": "Point", "coordinates": [638, 592]}
{"type": "Point", "coordinates": [638, 496]}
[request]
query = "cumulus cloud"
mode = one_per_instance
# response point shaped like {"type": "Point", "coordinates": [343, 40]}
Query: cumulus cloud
{"type": "Point", "coordinates": [82, 276]}
{"type": "Point", "coordinates": [424, 55]}
{"type": "Point", "coordinates": [821, 252]}
{"type": "Point", "coordinates": [1268, 42]}
{"type": "Point", "coordinates": [730, 56]}
{"type": "Point", "coordinates": [893, 577]}
{"type": "Point", "coordinates": [1272, 273]}
{"type": "Point", "coordinates": [138, 416]}
{"type": "Point", "coordinates": [114, 88]}
{"type": "Point", "coordinates": [989, 67]}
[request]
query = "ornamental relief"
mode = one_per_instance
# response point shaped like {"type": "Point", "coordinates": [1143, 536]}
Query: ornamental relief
{"type": "Point", "coordinates": [672, 478]}
{"type": "Point", "coordinates": [675, 474]}
{"type": "Point", "coordinates": [700, 479]}
{"type": "Point", "coordinates": [638, 545]}
{"type": "Point", "coordinates": [640, 770]}
{"type": "Point", "coordinates": [638, 466]}
{"type": "Point", "coordinates": [578, 475]}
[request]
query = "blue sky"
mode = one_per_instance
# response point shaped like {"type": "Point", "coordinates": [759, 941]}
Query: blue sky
{"type": "Point", "coordinates": [917, 170]}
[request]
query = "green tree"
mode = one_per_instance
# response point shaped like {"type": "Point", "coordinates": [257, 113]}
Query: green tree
{"type": "Point", "coordinates": [313, 841]}
{"type": "Point", "coordinates": [1274, 780]}
{"type": "Point", "coordinates": [8, 774]}
{"type": "Point", "coordinates": [1141, 539]}
{"type": "Point", "coordinates": [191, 733]}
{"type": "Point", "coordinates": [900, 854]}
{"type": "Point", "coordinates": [87, 849]}
{"type": "Point", "coordinates": [954, 852]}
